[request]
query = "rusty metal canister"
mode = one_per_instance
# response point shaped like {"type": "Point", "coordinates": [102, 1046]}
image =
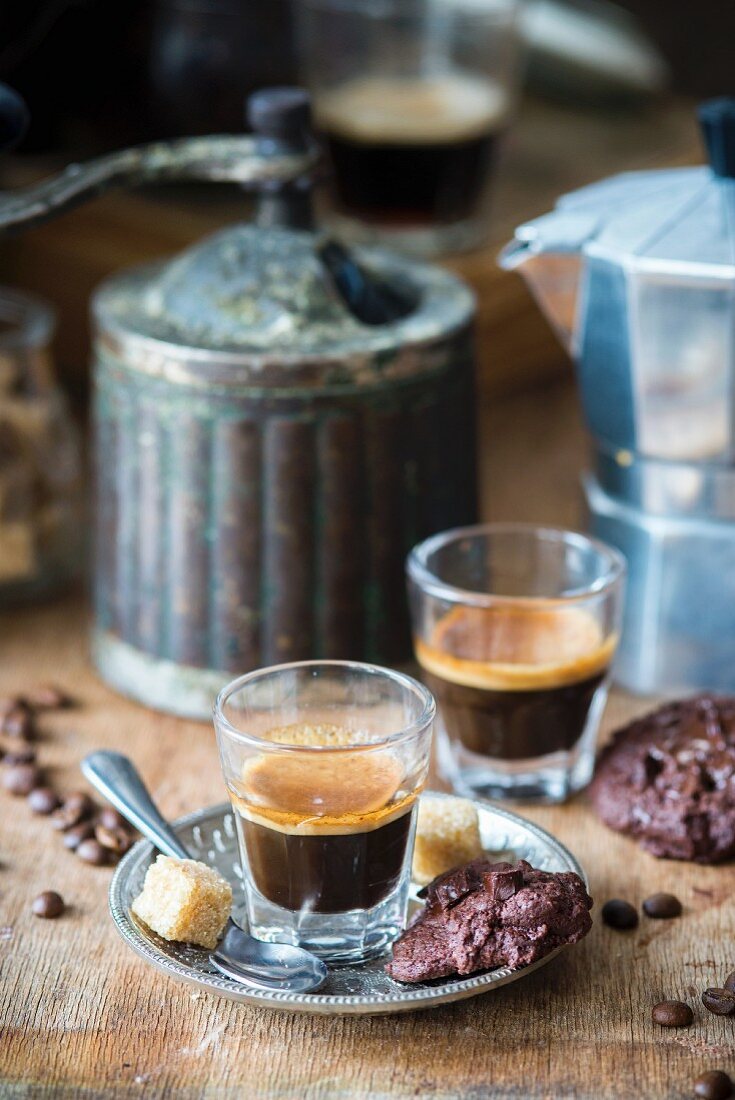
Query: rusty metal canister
{"type": "Point", "coordinates": [265, 461]}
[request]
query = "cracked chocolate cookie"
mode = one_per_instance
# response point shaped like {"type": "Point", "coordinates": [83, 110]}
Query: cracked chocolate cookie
{"type": "Point", "coordinates": [485, 915]}
{"type": "Point", "coordinates": [668, 780]}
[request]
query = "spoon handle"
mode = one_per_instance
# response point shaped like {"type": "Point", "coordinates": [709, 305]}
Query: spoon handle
{"type": "Point", "coordinates": [116, 777]}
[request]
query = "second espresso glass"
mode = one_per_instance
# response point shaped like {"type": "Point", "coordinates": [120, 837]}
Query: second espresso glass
{"type": "Point", "coordinates": [515, 628]}
{"type": "Point", "coordinates": [324, 761]}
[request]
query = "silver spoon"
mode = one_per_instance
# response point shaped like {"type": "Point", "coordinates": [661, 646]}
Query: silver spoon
{"type": "Point", "coordinates": [239, 956]}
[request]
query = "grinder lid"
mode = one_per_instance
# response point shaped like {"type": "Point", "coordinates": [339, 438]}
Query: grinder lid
{"type": "Point", "coordinates": [260, 304]}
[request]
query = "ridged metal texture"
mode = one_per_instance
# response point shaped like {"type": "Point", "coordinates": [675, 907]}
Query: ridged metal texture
{"type": "Point", "coordinates": [239, 532]}
{"type": "Point", "coordinates": [253, 510]}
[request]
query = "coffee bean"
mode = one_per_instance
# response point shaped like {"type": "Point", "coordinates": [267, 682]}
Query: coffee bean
{"type": "Point", "coordinates": [8, 703]}
{"type": "Point", "coordinates": [24, 756]}
{"type": "Point", "coordinates": [662, 906]}
{"type": "Point", "coordinates": [18, 722]}
{"type": "Point", "coordinates": [47, 697]}
{"type": "Point", "coordinates": [115, 840]}
{"type": "Point", "coordinates": [719, 1001]}
{"type": "Point", "coordinates": [672, 1014]}
{"type": "Point", "coordinates": [77, 807]}
{"type": "Point", "coordinates": [729, 982]}
{"type": "Point", "coordinates": [91, 851]}
{"type": "Point", "coordinates": [714, 1085]}
{"type": "Point", "coordinates": [49, 904]}
{"type": "Point", "coordinates": [81, 801]}
{"type": "Point", "coordinates": [43, 800]}
{"type": "Point", "coordinates": [74, 836]}
{"type": "Point", "coordinates": [65, 818]}
{"type": "Point", "coordinates": [21, 779]}
{"type": "Point", "coordinates": [619, 914]}
{"type": "Point", "coordinates": [109, 818]}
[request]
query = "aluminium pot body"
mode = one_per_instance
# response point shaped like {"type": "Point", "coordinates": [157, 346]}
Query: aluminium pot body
{"type": "Point", "coordinates": [256, 507]}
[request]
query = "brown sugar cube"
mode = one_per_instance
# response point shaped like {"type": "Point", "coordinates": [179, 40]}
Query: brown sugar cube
{"type": "Point", "coordinates": [447, 835]}
{"type": "Point", "coordinates": [184, 900]}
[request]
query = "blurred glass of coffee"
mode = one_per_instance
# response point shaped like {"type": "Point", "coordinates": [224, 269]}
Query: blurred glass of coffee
{"type": "Point", "coordinates": [411, 99]}
{"type": "Point", "coordinates": [515, 628]}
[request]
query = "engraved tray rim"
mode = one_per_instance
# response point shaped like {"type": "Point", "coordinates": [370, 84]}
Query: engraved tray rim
{"type": "Point", "coordinates": [403, 999]}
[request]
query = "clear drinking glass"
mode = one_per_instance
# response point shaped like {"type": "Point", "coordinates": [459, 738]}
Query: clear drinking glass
{"type": "Point", "coordinates": [411, 99]}
{"type": "Point", "coordinates": [41, 491]}
{"type": "Point", "coordinates": [515, 628]}
{"type": "Point", "coordinates": [323, 762]}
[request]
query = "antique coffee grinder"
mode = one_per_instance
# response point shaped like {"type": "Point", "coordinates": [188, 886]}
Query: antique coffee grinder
{"type": "Point", "coordinates": [277, 421]}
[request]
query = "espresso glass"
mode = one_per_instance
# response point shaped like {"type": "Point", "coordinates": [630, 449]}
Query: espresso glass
{"type": "Point", "coordinates": [412, 99]}
{"type": "Point", "coordinates": [324, 762]}
{"type": "Point", "coordinates": [515, 628]}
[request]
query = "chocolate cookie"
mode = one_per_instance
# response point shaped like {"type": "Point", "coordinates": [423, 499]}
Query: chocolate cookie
{"type": "Point", "coordinates": [667, 779]}
{"type": "Point", "coordinates": [485, 915]}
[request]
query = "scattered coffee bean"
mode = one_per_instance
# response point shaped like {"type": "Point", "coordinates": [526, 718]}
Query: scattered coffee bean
{"type": "Point", "coordinates": [80, 800]}
{"type": "Point", "coordinates": [23, 756]}
{"type": "Point", "coordinates": [21, 779]}
{"type": "Point", "coordinates": [43, 800]}
{"type": "Point", "coordinates": [714, 1085]}
{"type": "Point", "coordinates": [49, 904]}
{"type": "Point", "coordinates": [18, 722]}
{"type": "Point", "coordinates": [47, 697]}
{"type": "Point", "coordinates": [74, 836]}
{"type": "Point", "coordinates": [729, 982]}
{"type": "Point", "coordinates": [619, 914]}
{"type": "Point", "coordinates": [719, 1001]}
{"type": "Point", "coordinates": [65, 818]}
{"type": "Point", "coordinates": [662, 906]}
{"type": "Point", "coordinates": [91, 851]}
{"type": "Point", "coordinates": [109, 818]}
{"type": "Point", "coordinates": [77, 807]}
{"type": "Point", "coordinates": [115, 840]}
{"type": "Point", "coordinates": [8, 703]}
{"type": "Point", "coordinates": [672, 1014]}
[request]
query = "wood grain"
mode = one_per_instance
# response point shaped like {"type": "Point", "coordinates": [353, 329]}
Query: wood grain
{"type": "Point", "coordinates": [81, 1017]}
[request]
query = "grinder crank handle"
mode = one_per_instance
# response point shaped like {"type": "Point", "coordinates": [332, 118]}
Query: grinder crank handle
{"type": "Point", "coordinates": [232, 158]}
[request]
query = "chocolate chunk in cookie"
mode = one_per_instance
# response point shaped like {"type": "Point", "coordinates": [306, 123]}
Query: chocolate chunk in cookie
{"type": "Point", "coordinates": [668, 780]}
{"type": "Point", "coordinates": [485, 915]}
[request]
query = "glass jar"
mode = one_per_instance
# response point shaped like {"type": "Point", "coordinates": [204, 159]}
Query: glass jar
{"type": "Point", "coordinates": [40, 461]}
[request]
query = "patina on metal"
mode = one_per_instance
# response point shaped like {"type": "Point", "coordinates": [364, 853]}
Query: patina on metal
{"type": "Point", "coordinates": [267, 448]}
{"type": "Point", "coordinates": [266, 461]}
{"type": "Point", "coordinates": [219, 158]}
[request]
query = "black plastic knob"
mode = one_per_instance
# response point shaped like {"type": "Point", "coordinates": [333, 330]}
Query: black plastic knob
{"type": "Point", "coordinates": [717, 119]}
{"type": "Point", "coordinates": [14, 117]}
{"type": "Point", "coordinates": [371, 298]}
{"type": "Point", "coordinates": [281, 115]}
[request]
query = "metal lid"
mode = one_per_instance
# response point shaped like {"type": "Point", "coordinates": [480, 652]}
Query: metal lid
{"type": "Point", "coordinates": [680, 221]}
{"type": "Point", "coordinates": [252, 305]}
{"type": "Point", "coordinates": [675, 221]}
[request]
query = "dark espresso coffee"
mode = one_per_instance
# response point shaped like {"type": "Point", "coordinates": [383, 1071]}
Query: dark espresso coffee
{"type": "Point", "coordinates": [514, 683]}
{"type": "Point", "coordinates": [413, 151]}
{"type": "Point", "coordinates": [325, 833]}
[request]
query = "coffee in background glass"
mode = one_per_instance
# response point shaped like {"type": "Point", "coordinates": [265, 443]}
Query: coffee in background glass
{"type": "Point", "coordinates": [515, 629]}
{"type": "Point", "coordinates": [411, 99]}
{"type": "Point", "coordinates": [412, 152]}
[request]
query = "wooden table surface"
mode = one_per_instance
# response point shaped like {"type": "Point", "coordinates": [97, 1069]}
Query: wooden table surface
{"type": "Point", "coordinates": [81, 1016]}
